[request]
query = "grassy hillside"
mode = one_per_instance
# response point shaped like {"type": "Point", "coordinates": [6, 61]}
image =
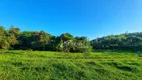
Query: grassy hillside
{"type": "Point", "coordinates": [40, 65]}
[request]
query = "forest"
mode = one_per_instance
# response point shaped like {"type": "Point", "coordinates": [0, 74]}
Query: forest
{"type": "Point", "coordinates": [126, 41]}
{"type": "Point", "coordinates": [14, 39]}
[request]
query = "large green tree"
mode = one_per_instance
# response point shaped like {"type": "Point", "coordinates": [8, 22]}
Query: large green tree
{"type": "Point", "coordinates": [12, 37]}
{"type": "Point", "coordinates": [40, 40]}
{"type": "Point", "coordinates": [3, 39]}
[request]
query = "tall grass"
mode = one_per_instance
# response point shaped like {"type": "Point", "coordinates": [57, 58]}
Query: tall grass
{"type": "Point", "coordinates": [42, 65]}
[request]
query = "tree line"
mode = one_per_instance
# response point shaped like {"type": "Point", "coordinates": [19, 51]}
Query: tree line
{"type": "Point", "coordinates": [126, 41]}
{"type": "Point", "coordinates": [14, 39]}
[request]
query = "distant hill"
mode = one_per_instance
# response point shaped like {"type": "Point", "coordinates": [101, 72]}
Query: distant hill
{"type": "Point", "coordinates": [126, 41]}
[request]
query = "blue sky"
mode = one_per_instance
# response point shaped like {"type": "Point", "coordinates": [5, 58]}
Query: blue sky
{"type": "Point", "coordinates": [92, 18]}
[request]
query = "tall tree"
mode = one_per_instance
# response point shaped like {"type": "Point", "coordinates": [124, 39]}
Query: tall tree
{"type": "Point", "coordinates": [12, 36]}
{"type": "Point", "coordinates": [3, 39]}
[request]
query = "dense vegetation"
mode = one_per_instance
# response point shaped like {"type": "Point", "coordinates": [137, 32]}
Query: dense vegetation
{"type": "Point", "coordinates": [127, 41]}
{"type": "Point", "coordinates": [33, 40]}
{"type": "Point", "coordinates": [43, 65]}
{"type": "Point", "coordinates": [19, 62]}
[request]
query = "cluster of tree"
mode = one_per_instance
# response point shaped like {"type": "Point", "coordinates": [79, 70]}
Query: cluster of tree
{"type": "Point", "coordinates": [126, 41]}
{"type": "Point", "coordinates": [32, 40]}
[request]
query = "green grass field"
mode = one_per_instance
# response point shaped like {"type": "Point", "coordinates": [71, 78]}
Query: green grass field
{"type": "Point", "coordinates": [42, 65]}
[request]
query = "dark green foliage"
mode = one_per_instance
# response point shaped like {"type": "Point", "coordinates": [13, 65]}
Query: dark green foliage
{"type": "Point", "coordinates": [26, 40]}
{"type": "Point", "coordinates": [32, 40]}
{"type": "Point", "coordinates": [127, 41]}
